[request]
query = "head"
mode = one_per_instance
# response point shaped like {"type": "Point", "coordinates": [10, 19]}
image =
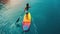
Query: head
{"type": "Point", "coordinates": [27, 4]}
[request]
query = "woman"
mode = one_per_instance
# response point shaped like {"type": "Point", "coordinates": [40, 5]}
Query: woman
{"type": "Point", "coordinates": [26, 9]}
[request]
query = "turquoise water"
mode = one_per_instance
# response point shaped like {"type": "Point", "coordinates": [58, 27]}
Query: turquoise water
{"type": "Point", "coordinates": [45, 18]}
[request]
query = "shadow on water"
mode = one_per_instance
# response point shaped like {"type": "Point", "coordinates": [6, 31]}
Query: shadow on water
{"type": "Point", "coordinates": [19, 21]}
{"type": "Point", "coordinates": [17, 24]}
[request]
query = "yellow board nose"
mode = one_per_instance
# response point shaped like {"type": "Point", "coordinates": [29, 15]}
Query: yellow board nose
{"type": "Point", "coordinates": [29, 18]}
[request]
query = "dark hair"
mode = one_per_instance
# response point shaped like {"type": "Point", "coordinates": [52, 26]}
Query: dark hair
{"type": "Point", "coordinates": [27, 4]}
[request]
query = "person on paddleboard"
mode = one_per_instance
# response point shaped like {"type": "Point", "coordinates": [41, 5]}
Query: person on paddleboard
{"type": "Point", "coordinates": [26, 9]}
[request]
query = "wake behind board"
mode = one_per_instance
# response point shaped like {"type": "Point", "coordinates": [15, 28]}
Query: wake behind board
{"type": "Point", "coordinates": [26, 22]}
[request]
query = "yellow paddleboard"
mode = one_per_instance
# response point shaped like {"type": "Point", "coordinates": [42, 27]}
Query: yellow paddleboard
{"type": "Point", "coordinates": [26, 22]}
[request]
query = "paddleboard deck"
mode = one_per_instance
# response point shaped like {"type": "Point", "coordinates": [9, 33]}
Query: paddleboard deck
{"type": "Point", "coordinates": [26, 22]}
